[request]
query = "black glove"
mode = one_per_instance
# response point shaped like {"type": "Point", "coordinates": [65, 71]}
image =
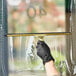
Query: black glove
{"type": "Point", "coordinates": [43, 51]}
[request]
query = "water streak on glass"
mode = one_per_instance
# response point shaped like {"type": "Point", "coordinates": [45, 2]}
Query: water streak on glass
{"type": "Point", "coordinates": [10, 52]}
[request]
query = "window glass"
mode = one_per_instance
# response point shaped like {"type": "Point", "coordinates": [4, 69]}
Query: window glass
{"type": "Point", "coordinates": [36, 16]}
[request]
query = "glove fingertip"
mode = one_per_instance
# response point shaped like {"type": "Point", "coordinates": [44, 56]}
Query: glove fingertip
{"type": "Point", "coordinates": [40, 42]}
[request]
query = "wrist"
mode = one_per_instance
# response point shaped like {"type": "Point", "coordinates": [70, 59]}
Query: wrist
{"type": "Point", "coordinates": [51, 69]}
{"type": "Point", "coordinates": [51, 63]}
{"type": "Point", "coordinates": [48, 59]}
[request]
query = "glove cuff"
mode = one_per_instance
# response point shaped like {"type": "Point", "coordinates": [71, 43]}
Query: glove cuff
{"type": "Point", "coordinates": [47, 59]}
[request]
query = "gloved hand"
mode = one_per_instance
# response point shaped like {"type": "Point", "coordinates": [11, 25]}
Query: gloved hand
{"type": "Point", "coordinates": [43, 51]}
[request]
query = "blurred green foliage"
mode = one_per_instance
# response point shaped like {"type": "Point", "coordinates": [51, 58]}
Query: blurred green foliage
{"type": "Point", "coordinates": [60, 2]}
{"type": "Point", "coordinates": [59, 61]}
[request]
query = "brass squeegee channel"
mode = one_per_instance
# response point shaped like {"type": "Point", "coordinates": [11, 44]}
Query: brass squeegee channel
{"type": "Point", "coordinates": [37, 34]}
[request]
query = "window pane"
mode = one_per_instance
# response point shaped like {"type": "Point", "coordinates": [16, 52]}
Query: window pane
{"type": "Point", "coordinates": [36, 16]}
{"type": "Point", "coordinates": [23, 59]}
